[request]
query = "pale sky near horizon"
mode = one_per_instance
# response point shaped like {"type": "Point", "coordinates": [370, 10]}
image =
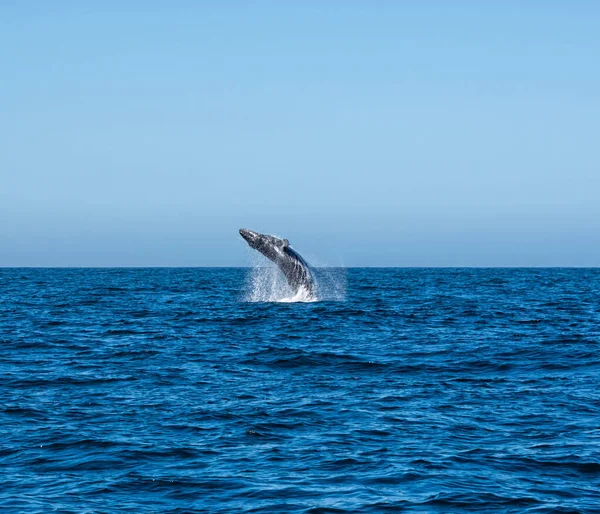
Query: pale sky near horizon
{"type": "Point", "coordinates": [368, 133]}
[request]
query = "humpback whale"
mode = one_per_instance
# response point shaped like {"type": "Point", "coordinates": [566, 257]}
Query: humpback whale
{"type": "Point", "coordinates": [291, 264]}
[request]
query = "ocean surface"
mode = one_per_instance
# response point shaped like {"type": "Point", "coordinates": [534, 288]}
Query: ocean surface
{"type": "Point", "coordinates": [182, 390]}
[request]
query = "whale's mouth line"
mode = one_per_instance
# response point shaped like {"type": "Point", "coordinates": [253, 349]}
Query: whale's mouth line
{"type": "Point", "coordinates": [255, 239]}
{"type": "Point", "coordinates": [248, 235]}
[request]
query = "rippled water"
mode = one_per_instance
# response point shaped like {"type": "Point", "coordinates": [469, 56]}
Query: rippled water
{"type": "Point", "coordinates": [129, 390]}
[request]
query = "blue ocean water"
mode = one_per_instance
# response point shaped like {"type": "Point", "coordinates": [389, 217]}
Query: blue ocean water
{"type": "Point", "coordinates": [425, 390]}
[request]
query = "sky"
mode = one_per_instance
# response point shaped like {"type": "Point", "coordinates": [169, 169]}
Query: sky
{"type": "Point", "coordinates": [384, 133]}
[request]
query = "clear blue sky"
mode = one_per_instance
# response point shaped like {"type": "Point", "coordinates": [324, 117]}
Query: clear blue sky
{"type": "Point", "coordinates": [367, 133]}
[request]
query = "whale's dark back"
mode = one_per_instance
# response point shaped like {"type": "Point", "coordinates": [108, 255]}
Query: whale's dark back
{"type": "Point", "coordinates": [296, 270]}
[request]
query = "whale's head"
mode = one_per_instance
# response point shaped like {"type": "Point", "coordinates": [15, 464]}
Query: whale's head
{"type": "Point", "coordinates": [270, 246]}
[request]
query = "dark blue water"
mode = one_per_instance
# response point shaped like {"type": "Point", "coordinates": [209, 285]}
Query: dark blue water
{"type": "Point", "coordinates": [427, 390]}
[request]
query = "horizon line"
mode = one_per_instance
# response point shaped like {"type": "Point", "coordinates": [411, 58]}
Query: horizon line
{"type": "Point", "coordinates": [317, 267]}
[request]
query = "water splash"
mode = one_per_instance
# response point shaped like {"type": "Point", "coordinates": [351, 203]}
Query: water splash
{"type": "Point", "coordinates": [331, 283]}
{"type": "Point", "coordinates": [266, 283]}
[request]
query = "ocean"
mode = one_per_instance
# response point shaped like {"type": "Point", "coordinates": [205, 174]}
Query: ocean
{"type": "Point", "coordinates": [210, 390]}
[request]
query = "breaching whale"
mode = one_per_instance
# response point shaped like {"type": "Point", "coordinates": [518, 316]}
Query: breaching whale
{"type": "Point", "coordinates": [292, 265]}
